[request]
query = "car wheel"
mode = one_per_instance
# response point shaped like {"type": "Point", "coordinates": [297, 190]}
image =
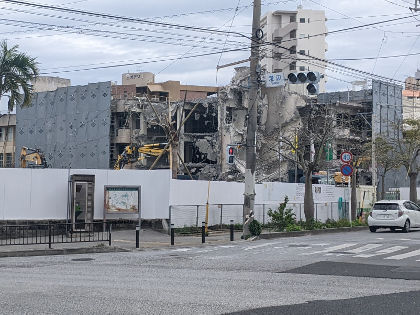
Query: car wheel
{"type": "Point", "coordinates": [372, 229]}
{"type": "Point", "coordinates": [392, 229]}
{"type": "Point", "coordinates": [406, 227]}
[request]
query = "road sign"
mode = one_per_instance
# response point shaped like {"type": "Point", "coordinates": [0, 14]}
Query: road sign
{"type": "Point", "coordinates": [274, 80]}
{"type": "Point", "coordinates": [346, 157]}
{"type": "Point", "coordinates": [347, 170]}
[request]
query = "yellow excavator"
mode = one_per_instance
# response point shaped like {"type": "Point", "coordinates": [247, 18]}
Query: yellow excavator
{"type": "Point", "coordinates": [32, 158]}
{"type": "Point", "coordinates": [133, 154]}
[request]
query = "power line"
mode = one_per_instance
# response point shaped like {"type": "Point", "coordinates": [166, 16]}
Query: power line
{"type": "Point", "coordinates": [121, 18]}
{"type": "Point", "coordinates": [146, 62]}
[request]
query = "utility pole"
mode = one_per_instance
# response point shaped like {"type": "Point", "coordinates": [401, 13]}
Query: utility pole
{"type": "Point", "coordinates": [416, 8]}
{"type": "Point", "coordinates": [251, 135]}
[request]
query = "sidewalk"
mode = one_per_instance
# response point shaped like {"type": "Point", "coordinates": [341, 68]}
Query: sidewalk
{"type": "Point", "coordinates": [122, 240]}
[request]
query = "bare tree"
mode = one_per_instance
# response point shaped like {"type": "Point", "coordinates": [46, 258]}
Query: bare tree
{"type": "Point", "coordinates": [306, 146]}
{"type": "Point", "coordinates": [407, 148]}
{"type": "Point", "coordinates": [386, 160]}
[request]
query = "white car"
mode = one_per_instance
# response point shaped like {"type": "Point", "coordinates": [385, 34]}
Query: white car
{"type": "Point", "coordinates": [394, 214]}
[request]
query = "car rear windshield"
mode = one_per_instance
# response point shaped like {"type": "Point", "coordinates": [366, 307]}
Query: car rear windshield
{"type": "Point", "coordinates": [386, 206]}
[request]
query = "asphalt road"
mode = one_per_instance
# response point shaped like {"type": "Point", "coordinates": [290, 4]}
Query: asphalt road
{"type": "Point", "coordinates": [346, 273]}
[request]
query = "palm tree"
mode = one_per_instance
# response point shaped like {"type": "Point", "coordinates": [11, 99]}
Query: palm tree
{"type": "Point", "coordinates": [17, 70]}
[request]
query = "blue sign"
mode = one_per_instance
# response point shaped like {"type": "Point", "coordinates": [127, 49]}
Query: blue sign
{"type": "Point", "coordinates": [346, 170]}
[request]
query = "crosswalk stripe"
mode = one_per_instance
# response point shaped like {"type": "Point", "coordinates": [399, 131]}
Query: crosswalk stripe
{"type": "Point", "coordinates": [364, 248]}
{"type": "Point", "coordinates": [258, 246]}
{"type": "Point", "coordinates": [406, 255]}
{"type": "Point", "coordinates": [182, 250]}
{"type": "Point", "coordinates": [330, 249]}
{"type": "Point", "coordinates": [384, 251]}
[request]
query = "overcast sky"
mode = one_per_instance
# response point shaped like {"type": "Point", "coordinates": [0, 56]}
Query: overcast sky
{"type": "Point", "coordinates": [67, 44]}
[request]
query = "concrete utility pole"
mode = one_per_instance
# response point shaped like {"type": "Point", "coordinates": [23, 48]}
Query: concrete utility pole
{"type": "Point", "coordinates": [251, 136]}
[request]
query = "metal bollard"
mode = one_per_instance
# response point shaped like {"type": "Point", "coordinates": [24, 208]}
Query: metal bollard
{"type": "Point", "coordinates": [137, 236]}
{"type": "Point", "coordinates": [172, 235]}
{"type": "Point", "coordinates": [49, 235]}
{"type": "Point", "coordinates": [231, 230]}
{"type": "Point", "coordinates": [203, 232]}
{"type": "Point", "coordinates": [109, 234]}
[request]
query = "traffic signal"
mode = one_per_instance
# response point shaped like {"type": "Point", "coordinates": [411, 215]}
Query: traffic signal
{"type": "Point", "coordinates": [310, 78]}
{"type": "Point", "coordinates": [230, 154]}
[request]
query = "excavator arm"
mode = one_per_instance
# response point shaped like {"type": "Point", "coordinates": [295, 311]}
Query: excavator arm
{"type": "Point", "coordinates": [132, 154]}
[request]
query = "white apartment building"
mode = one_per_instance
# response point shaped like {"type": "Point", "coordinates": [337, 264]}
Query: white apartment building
{"type": "Point", "coordinates": [301, 35]}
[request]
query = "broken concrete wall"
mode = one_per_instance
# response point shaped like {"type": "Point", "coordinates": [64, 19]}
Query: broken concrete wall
{"type": "Point", "coordinates": [277, 110]}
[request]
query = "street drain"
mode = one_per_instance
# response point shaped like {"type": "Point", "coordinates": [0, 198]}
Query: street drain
{"type": "Point", "coordinates": [82, 259]}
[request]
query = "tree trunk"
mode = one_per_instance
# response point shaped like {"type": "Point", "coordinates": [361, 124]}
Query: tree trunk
{"type": "Point", "coordinates": [354, 195]}
{"type": "Point", "coordinates": [413, 186]}
{"type": "Point", "coordinates": [308, 198]}
{"type": "Point", "coordinates": [382, 187]}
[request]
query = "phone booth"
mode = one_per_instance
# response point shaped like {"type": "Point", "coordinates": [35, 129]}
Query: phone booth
{"type": "Point", "coordinates": [81, 205]}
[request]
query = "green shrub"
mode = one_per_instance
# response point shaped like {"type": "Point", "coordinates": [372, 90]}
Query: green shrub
{"type": "Point", "coordinates": [343, 223]}
{"type": "Point", "coordinates": [293, 227]}
{"type": "Point", "coordinates": [312, 225]}
{"type": "Point", "coordinates": [330, 224]}
{"type": "Point", "coordinates": [282, 217]}
{"type": "Point", "coordinates": [255, 228]}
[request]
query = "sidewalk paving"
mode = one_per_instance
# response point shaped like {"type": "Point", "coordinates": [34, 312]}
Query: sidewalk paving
{"type": "Point", "coordinates": [122, 240]}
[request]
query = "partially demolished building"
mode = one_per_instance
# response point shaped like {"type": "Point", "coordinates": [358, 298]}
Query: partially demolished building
{"type": "Point", "coordinates": [89, 126]}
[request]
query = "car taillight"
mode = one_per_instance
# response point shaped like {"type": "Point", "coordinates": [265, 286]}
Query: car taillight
{"type": "Point", "coordinates": [400, 213]}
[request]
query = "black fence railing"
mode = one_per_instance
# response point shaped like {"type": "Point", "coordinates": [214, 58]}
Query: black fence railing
{"type": "Point", "coordinates": [51, 233]}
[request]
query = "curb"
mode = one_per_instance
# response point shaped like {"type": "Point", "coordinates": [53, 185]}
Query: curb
{"type": "Point", "coordinates": [66, 251]}
{"type": "Point", "coordinates": [312, 232]}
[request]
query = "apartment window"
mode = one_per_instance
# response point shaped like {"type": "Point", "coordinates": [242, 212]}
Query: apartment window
{"type": "Point", "coordinates": [292, 50]}
{"type": "Point", "coordinates": [137, 123]}
{"type": "Point", "coordinates": [301, 52]}
{"type": "Point", "coordinates": [292, 66]}
{"type": "Point", "coordinates": [302, 20]}
{"type": "Point", "coordinates": [10, 134]}
{"type": "Point", "coordinates": [293, 34]}
{"type": "Point", "coordinates": [1, 134]}
{"type": "Point", "coordinates": [302, 68]}
{"type": "Point", "coordinates": [9, 160]}
{"type": "Point", "coordinates": [1, 159]}
{"type": "Point", "coordinates": [292, 18]}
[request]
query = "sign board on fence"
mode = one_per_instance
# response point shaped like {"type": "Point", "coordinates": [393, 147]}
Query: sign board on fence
{"type": "Point", "coordinates": [122, 199]}
{"type": "Point", "coordinates": [274, 80]}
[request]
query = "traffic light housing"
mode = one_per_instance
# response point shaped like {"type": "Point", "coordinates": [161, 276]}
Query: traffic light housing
{"type": "Point", "coordinates": [310, 78]}
{"type": "Point", "coordinates": [230, 154]}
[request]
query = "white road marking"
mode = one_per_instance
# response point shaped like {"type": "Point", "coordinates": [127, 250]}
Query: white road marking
{"type": "Point", "coordinates": [258, 246]}
{"type": "Point", "coordinates": [383, 251]}
{"type": "Point", "coordinates": [226, 246]}
{"type": "Point", "coordinates": [321, 244]}
{"type": "Point", "coordinates": [406, 255]}
{"type": "Point", "coordinates": [379, 238]}
{"type": "Point", "coordinates": [330, 249]}
{"type": "Point", "coordinates": [364, 248]}
{"type": "Point", "coordinates": [278, 247]}
{"type": "Point", "coordinates": [182, 250]}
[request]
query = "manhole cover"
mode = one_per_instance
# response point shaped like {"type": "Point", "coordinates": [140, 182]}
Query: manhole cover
{"type": "Point", "coordinates": [82, 259]}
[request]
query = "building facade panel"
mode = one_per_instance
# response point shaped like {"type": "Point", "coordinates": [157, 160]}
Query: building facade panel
{"type": "Point", "coordinates": [70, 126]}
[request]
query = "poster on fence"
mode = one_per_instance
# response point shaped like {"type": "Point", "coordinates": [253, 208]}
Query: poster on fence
{"type": "Point", "coordinates": [122, 199]}
{"type": "Point", "coordinates": [321, 193]}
